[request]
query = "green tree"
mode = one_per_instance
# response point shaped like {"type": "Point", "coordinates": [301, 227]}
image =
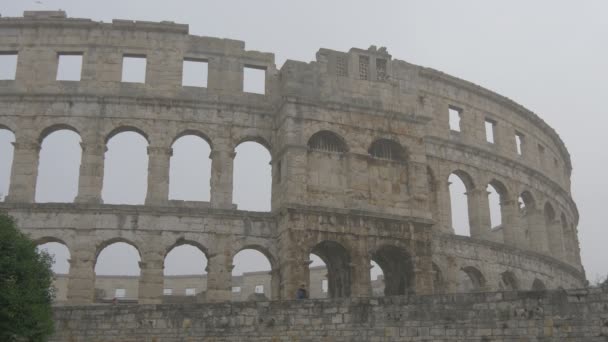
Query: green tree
{"type": "Point", "coordinates": [26, 291]}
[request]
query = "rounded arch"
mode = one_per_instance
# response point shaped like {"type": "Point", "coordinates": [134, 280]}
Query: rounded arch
{"type": "Point", "coordinates": [500, 187]}
{"type": "Point", "coordinates": [59, 162]}
{"type": "Point", "coordinates": [337, 260]}
{"type": "Point", "coordinates": [7, 127]}
{"type": "Point", "coordinates": [194, 132]}
{"type": "Point", "coordinates": [265, 251]}
{"type": "Point", "coordinates": [47, 239]}
{"type": "Point", "coordinates": [527, 199]}
{"type": "Point", "coordinates": [327, 141]}
{"type": "Point", "coordinates": [184, 258]}
{"type": "Point", "coordinates": [549, 213]}
{"type": "Point", "coordinates": [254, 139]}
{"type": "Point", "coordinates": [389, 149]}
{"type": "Point", "coordinates": [57, 127]}
{"type": "Point", "coordinates": [473, 281]}
{"type": "Point", "coordinates": [190, 167]}
{"type": "Point", "coordinates": [538, 285]}
{"type": "Point", "coordinates": [508, 281]}
{"type": "Point", "coordinates": [465, 177]}
{"type": "Point", "coordinates": [183, 241]}
{"type": "Point", "coordinates": [397, 266]}
{"type": "Point", "coordinates": [101, 246]}
{"type": "Point", "coordinates": [126, 128]}
{"type": "Point", "coordinates": [60, 252]}
{"type": "Point", "coordinates": [126, 167]}
{"type": "Point", "coordinates": [252, 176]}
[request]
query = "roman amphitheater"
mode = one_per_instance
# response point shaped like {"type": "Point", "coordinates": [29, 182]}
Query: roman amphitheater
{"type": "Point", "coordinates": [362, 146]}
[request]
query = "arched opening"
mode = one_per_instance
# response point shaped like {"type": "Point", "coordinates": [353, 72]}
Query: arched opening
{"type": "Point", "coordinates": [326, 168]}
{"type": "Point", "coordinates": [252, 182]}
{"type": "Point", "coordinates": [438, 282]}
{"type": "Point", "coordinates": [185, 271]}
{"type": "Point", "coordinates": [568, 238]}
{"type": "Point", "coordinates": [387, 149]}
{"type": "Point", "coordinates": [398, 270]}
{"type": "Point", "coordinates": [337, 261]}
{"type": "Point", "coordinates": [61, 266]}
{"type": "Point", "coordinates": [538, 285]}
{"type": "Point", "coordinates": [496, 196]}
{"type": "Point", "coordinates": [526, 207]}
{"type": "Point", "coordinates": [460, 185]}
{"type": "Point", "coordinates": [125, 176]}
{"type": "Point", "coordinates": [327, 141]}
{"type": "Point", "coordinates": [377, 279]}
{"type": "Point", "coordinates": [251, 276]}
{"type": "Point", "coordinates": [59, 167]}
{"type": "Point", "coordinates": [554, 232]}
{"type": "Point", "coordinates": [317, 278]}
{"type": "Point", "coordinates": [470, 279]}
{"type": "Point", "coordinates": [117, 272]}
{"type": "Point", "coordinates": [190, 169]}
{"type": "Point", "coordinates": [508, 281]}
{"type": "Point", "coordinates": [7, 138]}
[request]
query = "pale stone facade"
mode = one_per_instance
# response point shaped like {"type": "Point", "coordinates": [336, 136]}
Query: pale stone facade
{"type": "Point", "coordinates": [361, 153]}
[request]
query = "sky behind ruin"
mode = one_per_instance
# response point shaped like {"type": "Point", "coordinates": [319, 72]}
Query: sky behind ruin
{"type": "Point", "coordinates": [550, 56]}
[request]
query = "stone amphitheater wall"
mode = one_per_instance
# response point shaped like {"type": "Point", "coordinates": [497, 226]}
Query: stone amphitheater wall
{"type": "Point", "coordinates": [361, 154]}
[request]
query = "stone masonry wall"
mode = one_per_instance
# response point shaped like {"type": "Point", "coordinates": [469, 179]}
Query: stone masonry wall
{"type": "Point", "coordinates": [572, 315]}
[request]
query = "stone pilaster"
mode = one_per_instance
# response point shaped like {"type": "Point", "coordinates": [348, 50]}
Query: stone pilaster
{"type": "Point", "coordinates": [81, 285]}
{"type": "Point", "coordinates": [222, 162]}
{"type": "Point", "coordinates": [423, 279]}
{"type": "Point", "coordinates": [294, 264]}
{"type": "Point", "coordinates": [275, 284]}
{"type": "Point", "coordinates": [444, 205]}
{"type": "Point", "coordinates": [536, 228]}
{"type": "Point", "coordinates": [556, 239]}
{"type": "Point", "coordinates": [90, 181]}
{"type": "Point", "coordinates": [513, 233]}
{"type": "Point", "coordinates": [24, 172]}
{"type": "Point", "coordinates": [158, 175]}
{"type": "Point", "coordinates": [219, 278]}
{"type": "Point", "coordinates": [361, 285]}
{"type": "Point", "coordinates": [151, 279]}
{"type": "Point", "coordinates": [479, 212]}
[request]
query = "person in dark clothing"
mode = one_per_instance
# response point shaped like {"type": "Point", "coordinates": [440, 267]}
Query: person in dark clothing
{"type": "Point", "coordinates": [301, 293]}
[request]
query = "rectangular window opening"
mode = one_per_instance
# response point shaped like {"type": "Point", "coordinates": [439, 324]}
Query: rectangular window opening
{"type": "Point", "coordinates": [455, 117]}
{"type": "Point", "coordinates": [120, 293]}
{"type": "Point", "coordinates": [69, 66]}
{"type": "Point", "coordinates": [324, 285]}
{"type": "Point", "coordinates": [190, 291]}
{"type": "Point", "coordinates": [236, 289]}
{"type": "Point", "coordinates": [8, 65]}
{"type": "Point", "coordinates": [381, 72]}
{"type": "Point", "coordinates": [490, 128]}
{"type": "Point", "coordinates": [167, 292]}
{"type": "Point", "coordinates": [254, 79]}
{"type": "Point", "coordinates": [363, 67]}
{"type": "Point", "coordinates": [342, 66]}
{"type": "Point", "coordinates": [134, 68]}
{"type": "Point", "coordinates": [195, 73]}
{"type": "Point", "coordinates": [259, 289]}
{"type": "Point", "coordinates": [519, 140]}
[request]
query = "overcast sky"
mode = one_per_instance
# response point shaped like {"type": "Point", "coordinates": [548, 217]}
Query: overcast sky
{"type": "Point", "coordinates": [550, 56]}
